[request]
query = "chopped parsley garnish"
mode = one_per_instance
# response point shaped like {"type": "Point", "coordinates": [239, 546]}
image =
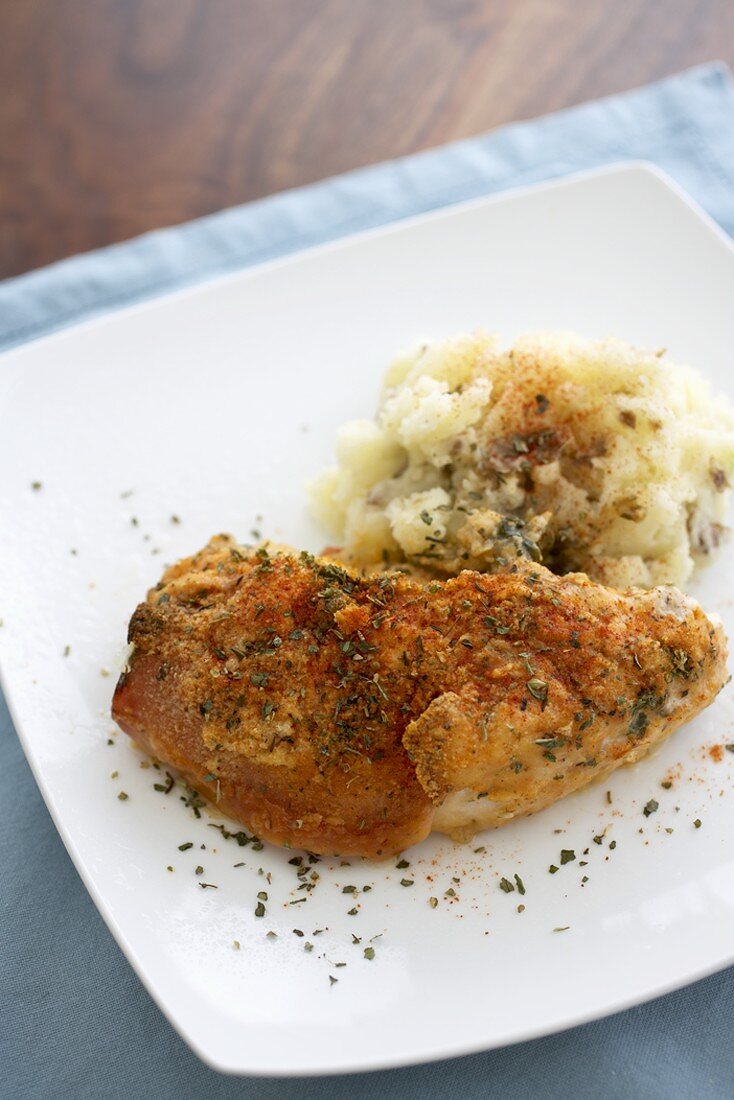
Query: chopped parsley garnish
{"type": "Point", "coordinates": [550, 742]}
{"type": "Point", "coordinates": [538, 689]}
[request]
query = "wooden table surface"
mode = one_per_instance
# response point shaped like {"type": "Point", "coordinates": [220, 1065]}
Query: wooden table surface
{"type": "Point", "coordinates": [118, 116]}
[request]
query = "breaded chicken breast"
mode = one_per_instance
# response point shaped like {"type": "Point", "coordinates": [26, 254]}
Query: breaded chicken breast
{"type": "Point", "coordinates": [349, 714]}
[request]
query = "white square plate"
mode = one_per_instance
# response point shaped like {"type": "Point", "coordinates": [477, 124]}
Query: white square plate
{"type": "Point", "coordinates": [215, 405]}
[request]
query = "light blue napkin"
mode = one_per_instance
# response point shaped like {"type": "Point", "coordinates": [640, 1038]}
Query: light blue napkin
{"type": "Point", "coordinates": [74, 1020]}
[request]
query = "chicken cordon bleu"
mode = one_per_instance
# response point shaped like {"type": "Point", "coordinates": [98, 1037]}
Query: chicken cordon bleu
{"type": "Point", "coordinates": [351, 714]}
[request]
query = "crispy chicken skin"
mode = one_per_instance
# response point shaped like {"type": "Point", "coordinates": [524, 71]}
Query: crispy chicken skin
{"type": "Point", "coordinates": [348, 714]}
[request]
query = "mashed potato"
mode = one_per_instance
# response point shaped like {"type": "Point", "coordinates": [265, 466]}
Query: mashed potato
{"type": "Point", "coordinates": [588, 456]}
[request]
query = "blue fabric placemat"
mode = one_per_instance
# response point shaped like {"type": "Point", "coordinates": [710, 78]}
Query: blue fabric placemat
{"type": "Point", "coordinates": [74, 1020]}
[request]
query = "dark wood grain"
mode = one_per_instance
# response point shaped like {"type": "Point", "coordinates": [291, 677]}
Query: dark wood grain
{"type": "Point", "coordinates": [118, 116]}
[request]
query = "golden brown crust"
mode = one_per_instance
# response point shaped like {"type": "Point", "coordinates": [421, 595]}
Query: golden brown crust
{"type": "Point", "coordinates": [335, 712]}
{"type": "Point", "coordinates": [240, 671]}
